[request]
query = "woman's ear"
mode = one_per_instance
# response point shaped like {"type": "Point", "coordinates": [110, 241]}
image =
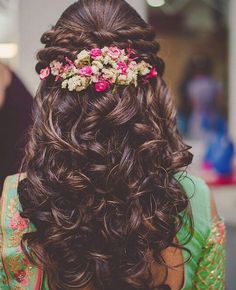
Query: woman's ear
{"type": "Point", "coordinates": [5, 76]}
{"type": "Point", "coordinates": [5, 81]}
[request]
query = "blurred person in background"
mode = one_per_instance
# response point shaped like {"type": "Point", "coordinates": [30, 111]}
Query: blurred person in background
{"type": "Point", "coordinates": [104, 201]}
{"type": "Point", "coordinates": [15, 118]}
{"type": "Point", "coordinates": [200, 96]}
{"type": "Point", "coordinates": [184, 102]}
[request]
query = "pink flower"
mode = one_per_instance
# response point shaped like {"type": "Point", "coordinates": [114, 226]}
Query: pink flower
{"type": "Point", "coordinates": [59, 66]}
{"type": "Point", "coordinates": [152, 74]}
{"type": "Point", "coordinates": [131, 52]}
{"type": "Point", "coordinates": [20, 277]}
{"type": "Point", "coordinates": [26, 262]}
{"type": "Point", "coordinates": [221, 232]}
{"type": "Point", "coordinates": [114, 52]}
{"type": "Point", "coordinates": [123, 67]}
{"type": "Point", "coordinates": [44, 73]}
{"type": "Point", "coordinates": [57, 78]}
{"type": "Point", "coordinates": [18, 223]}
{"type": "Point", "coordinates": [25, 282]}
{"type": "Point", "coordinates": [86, 71]}
{"type": "Point", "coordinates": [101, 86]}
{"type": "Point", "coordinates": [95, 52]}
{"type": "Point", "coordinates": [70, 62]}
{"type": "Point", "coordinates": [67, 68]}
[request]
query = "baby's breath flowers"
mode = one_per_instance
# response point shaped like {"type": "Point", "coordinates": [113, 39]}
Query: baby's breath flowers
{"type": "Point", "coordinates": [102, 68]}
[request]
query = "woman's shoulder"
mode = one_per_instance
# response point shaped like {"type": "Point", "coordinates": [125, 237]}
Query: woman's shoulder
{"type": "Point", "coordinates": [17, 271]}
{"type": "Point", "coordinates": [9, 199]}
{"type": "Point", "coordinates": [199, 196]}
{"type": "Point", "coordinates": [194, 186]}
{"type": "Point", "coordinates": [207, 262]}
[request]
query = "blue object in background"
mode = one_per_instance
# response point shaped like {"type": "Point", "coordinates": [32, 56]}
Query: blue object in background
{"type": "Point", "coordinates": [220, 154]}
{"type": "Point", "coordinates": [214, 124]}
{"type": "Point", "coordinates": [182, 124]}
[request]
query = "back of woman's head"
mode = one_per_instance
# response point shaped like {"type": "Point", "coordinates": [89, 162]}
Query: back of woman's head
{"type": "Point", "coordinates": [100, 166]}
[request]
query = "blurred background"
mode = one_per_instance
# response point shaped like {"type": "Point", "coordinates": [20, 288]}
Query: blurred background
{"type": "Point", "coordinates": [198, 44]}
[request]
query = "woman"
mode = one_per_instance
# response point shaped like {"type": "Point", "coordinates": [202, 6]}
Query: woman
{"type": "Point", "coordinates": [104, 203]}
{"type": "Point", "coordinates": [15, 119]}
{"type": "Point", "coordinates": [203, 92]}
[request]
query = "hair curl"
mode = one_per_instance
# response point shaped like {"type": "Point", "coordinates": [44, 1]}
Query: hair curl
{"type": "Point", "coordinates": [100, 166]}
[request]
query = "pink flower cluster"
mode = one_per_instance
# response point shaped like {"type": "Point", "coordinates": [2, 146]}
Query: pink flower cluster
{"type": "Point", "coordinates": [44, 73]}
{"type": "Point", "coordinates": [95, 53]}
{"type": "Point", "coordinates": [21, 276]}
{"type": "Point", "coordinates": [18, 223]}
{"type": "Point", "coordinates": [101, 67]}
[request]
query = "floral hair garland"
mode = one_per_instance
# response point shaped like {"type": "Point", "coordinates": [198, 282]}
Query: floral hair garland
{"type": "Point", "coordinates": [102, 68]}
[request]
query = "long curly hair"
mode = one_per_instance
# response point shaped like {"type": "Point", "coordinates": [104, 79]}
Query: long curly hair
{"type": "Point", "coordinates": [100, 167]}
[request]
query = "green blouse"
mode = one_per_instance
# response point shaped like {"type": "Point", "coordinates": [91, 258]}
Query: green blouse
{"type": "Point", "coordinates": [204, 270]}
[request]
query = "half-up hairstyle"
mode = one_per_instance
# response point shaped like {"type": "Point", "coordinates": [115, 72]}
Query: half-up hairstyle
{"type": "Point", "coordinates": [100, 167]}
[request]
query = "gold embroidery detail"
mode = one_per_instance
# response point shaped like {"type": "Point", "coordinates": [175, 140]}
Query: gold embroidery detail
{"type": "Point", "coordinates": [13, 263]}
{"type": "Point", "coordinates": [1, 241]}
{"type": "Point", "coordinates": [17, 287]}
{"type": "Point", "coordinates": [18, 265]}
{"type": "Point", "coordinates": [3, 278]}
{"type": "Point", "coordinates": [15, 240]}
{"type": "Point", "coordinates": [211, 267]}
{"type": "Point", "coordinates": [12, 207]}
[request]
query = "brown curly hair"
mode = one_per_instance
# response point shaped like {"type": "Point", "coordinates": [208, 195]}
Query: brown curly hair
{"type": "Point", "coordinates": [100, 185]}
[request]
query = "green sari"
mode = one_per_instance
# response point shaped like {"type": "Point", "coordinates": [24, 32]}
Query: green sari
{"type": "Point", "coordinates": [204, 270]}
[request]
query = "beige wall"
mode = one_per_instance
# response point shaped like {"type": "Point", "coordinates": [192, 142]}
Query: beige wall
{"type": "Point", "coordinates": [35, 17]}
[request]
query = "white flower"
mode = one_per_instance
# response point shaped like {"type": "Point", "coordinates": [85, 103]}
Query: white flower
{"type": "Point", "coordinates": [83, 85]}
{"type": "Point", "coordinates": [144, 68]}
{"type": "Point", "coordinates": [122, 80]}
{"type": "Point", "coordinates": [95, 69]}
{"type": "Point", "coordinates": [123, 56]}
{"type": "Point", "coordinates": [64, 84]}
{"type": "Point", "coordinates": [114, 65]}
{"type": "Point", "coordinates": [107, 59]}
{"type": "Point", "coordinates": [94, 78]}
{"type": "Point", "coordinates": [109, 74]}
{"type": "Point", "coordinates": [56, 67]}
{"type": "Point", "coordinates": [74, 82]}
{"type": "Point", "coordinates": [100, 58]}
{"type": "Point", "coordinates": [133, 65]}
{"type": "Point", "coordinates": [144, 71]}
{"type": "Point", "coordinates": [105, 50]}
{"type": "Point", "coordinates": [70, 72]}
{"type": "Point", "coordinates": [82, 57]}
{"type": "Point", "coordinates": [132, 76]}
{"type": "Point", "coordinates": [97, 63]}
{"type": "Point", "coordinates": [129, 78]}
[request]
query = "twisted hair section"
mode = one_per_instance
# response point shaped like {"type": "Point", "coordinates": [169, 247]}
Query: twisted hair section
{"type": "Point", "coordinates": [90, 24]}
{"type": "Point", "coordinates": [100, 185]}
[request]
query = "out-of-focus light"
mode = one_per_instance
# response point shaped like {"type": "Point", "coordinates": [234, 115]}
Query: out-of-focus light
{"type": "Point", "coordinates": [8, 50]}
{"type": "Point", "coordinates": [156, 3]}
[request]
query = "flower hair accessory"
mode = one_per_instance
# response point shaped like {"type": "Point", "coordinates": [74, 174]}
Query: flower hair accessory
{"type": "Point", "coordinates": [102, 68]}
